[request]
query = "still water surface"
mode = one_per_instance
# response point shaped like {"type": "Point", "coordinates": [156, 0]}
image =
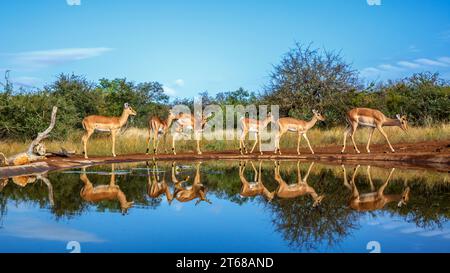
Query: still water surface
{"type": "Point", "coordinates": [226, 206]}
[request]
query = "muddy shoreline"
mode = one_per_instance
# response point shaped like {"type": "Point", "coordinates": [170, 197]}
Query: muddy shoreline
{"type": "Point", "coordinates": [423, 156]}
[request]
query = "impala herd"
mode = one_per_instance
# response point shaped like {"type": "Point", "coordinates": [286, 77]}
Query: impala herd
{"type": "Point", "coordinates": [157, 128]}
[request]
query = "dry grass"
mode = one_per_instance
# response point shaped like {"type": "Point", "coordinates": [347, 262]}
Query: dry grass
{"type": "Point", "coordinates": [133, 140]}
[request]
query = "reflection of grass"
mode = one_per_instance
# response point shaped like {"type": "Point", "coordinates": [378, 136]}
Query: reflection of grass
{"type": "Point", "coordinates": [133, 140]}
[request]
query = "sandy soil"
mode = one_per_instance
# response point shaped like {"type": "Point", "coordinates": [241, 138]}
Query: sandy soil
{"type": "Point", "coordinates": [423, 155]}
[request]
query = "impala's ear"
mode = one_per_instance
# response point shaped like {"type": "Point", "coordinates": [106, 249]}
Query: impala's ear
{"type": "Point", "coordinates": [125, 105]}
{"type": "Point", "coordinates": [315, 111]}
{"type": "Point", "coordinates": [398, 116]}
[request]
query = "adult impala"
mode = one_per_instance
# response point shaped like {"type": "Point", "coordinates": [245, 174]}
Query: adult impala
{"type": "Point", "coordinates": [374, 119]}
{"type": "Point", "coordinates": [300, 188]}
{"type": "Point", "coordinates": [105, 124]}
{"type": "Point", "coordinates": [157, 127]}
{"type": "Point", "coordinates": [376, 199]}
{"type": "Point", "coordinates": [187, 122]}
{"type": "Point", "coordinates": [253, 126]}
{"type": "Point", "coordinates": [185, 193]}
{"type": "Point", "coordinates": [104, 192]}
{"type": "Point", "coordinates": [157, 186]}
{"type": "Point", "coordinates": [256, 186]}
{"type": "Point", "coordinates": [295, 125]}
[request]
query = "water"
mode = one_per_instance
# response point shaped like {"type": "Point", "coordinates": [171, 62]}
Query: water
{"type": "Point", "coordinates": [226, 206]}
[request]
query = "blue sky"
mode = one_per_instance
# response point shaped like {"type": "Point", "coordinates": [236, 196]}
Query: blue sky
{"type": "Point", "coordinates": [193, 45]}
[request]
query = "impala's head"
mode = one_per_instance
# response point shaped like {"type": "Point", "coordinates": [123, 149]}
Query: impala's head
{"type": "Point", "coordinates": [405, 198]}
{"type": "Point", "coordinates": [318, 200]}
{"type": "Point", "coordinates": [318, 115]}
{"type": "Point", "coordinates": [128, 109]}
{"type": "Point", "coordinates": [403, 122]}
{"type": "Point", "coordinates": [171, 114]}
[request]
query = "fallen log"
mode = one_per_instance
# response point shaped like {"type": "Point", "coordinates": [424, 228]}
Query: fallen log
{"type": "Point", "coordinates": [36, 151]}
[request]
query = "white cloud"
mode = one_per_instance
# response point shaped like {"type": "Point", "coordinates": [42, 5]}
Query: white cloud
{"type": "Point", "coordinates": [30, 228]}
{"type": "Point", "coordinates": [406, 67]}
{"type": "Point", "coordinates": [45, 58]}
{"type": "Point", "coordinates": [370, 72]}
{"type": "Point", "coordinates": [429, 62]}
{"type": "Point", "coordinates": [26, 81]}
{"type": "Point", "coordinates": [179, 82]}
{"type": "Point", "coordinates": [73, 2]}
{"type": "Point", "coordinates": [407, 64]}
{"type": "Point", "coordinates": [444, 60]}
{"type": "Point", "coordinates": [169, 91]}
{"type": "Point", "coordinates": [388, 67]}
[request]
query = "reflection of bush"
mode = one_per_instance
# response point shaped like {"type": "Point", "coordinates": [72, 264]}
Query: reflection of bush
{"type": "Point", "coordinates": [304, 227]}
{"type": "Point", "coordinates": [307, 228]}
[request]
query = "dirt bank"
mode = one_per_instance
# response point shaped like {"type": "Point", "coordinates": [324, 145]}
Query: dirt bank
{"type": "Point", "coordinates": [424, 155]}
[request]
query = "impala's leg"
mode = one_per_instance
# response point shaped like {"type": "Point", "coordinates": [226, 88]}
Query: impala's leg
{"type": "Point", "coordinates": [155, 140]}
{"type": "Point", "coordinates": [242, 147]}
{"type": "Point", "coordinates": [346, 133]}
{"type": "Point", "coordinates": [372, 187]}
{"type": "Point", "coordinates": [355, 191]}
{"type": "Point", "coordinates": [370, 138]}
{"type": "Point", "coordinates": [148, 140]}
{"type": "Point", "coordinates": [113, 138]}
{"type": "Point", "coordinates": [386, 137]}
{"type": "Point", "coordinates": [256, 142]}
{"type": "Point", "coordinates": [307, 141]}
{"type": "Point", "coordinates": [385, 184]}
{"type": "Point", "coordinates": [259, 140]}
{"type": "Point", "coordinates": [165, 142]}
{"type": "Point", "coordinates": [173, 143]}
{"type": "Point", "coordinates": [354, 127]}
{"type": "Point", "coordinates": [298, 142]}
{"type": "Point", "coordinates": [198, 147]}
{"type": "Point", "coordinates": [277, 148]}
{"type": "Point", "coordinates": [346, 184]}
{"type": "Point", "coordinates": [85, 139]}
{"type": "Point", "coordinates": [308, 172]}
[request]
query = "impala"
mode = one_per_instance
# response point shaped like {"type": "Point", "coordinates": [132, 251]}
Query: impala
{"type": "Point", "coordinates": [104, 192]}
{"type": "Point", "coordinates": [187, 122]}
{"type": "Point", "coordinates": [256, 186]}
{"type": "Point", "coordinates": [253, 126]}
{"type": "Point", "coordinates": [105, 124]}
{"type": "Point", "coordinates": [156, 127]}
{"type": "Point", "coordinates": [300, 188]}
{"type": "Point", "coordinates": [376, 199]}
{"type": "Point", "coordinates": [157, 187]}
{"type": "Point", "coordinates": [185, 193]}
{"type": "Point", "coordinates": [374, 119]}
{"type": "Point", "coordinates": [295, 125]}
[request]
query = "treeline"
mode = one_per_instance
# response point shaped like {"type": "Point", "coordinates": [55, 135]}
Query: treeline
{"type": "Point", "coordinates": [305, 78]}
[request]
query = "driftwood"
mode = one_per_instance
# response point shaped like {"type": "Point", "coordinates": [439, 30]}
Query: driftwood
{"type": "Point", "coordinates": [36, 150]}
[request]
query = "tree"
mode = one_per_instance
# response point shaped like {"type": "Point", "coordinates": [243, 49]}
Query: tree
{"type": "Point", "coordinates": [309, 78]}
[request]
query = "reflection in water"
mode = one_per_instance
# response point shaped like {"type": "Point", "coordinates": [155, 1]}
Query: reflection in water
{"type": "Point", "coordinates": [255, 187]}
{"type": "Point", "coordinates": [157, 185]}
{"type": "Point", "coordinates": [374, 200]}
{"type": "Point", "coordinates": [298, 189]}
{"type": "Point", "coordinates": [293, 202]}
{"type": "Point", "coordinates": [24, 180]}
{"type": "Point", "coordinates": [104, 192]}
{"type": "Point", "coordinates": [186, 193]}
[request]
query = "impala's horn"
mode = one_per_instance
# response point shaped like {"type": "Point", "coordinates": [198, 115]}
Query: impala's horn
{"type": "Point", "coordinates": [125, 105]}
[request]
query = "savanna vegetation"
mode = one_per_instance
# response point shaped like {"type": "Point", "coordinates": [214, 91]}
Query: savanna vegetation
{"type": "Point", "coordinates": [304, 79]}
